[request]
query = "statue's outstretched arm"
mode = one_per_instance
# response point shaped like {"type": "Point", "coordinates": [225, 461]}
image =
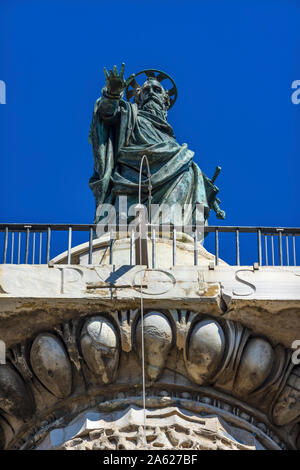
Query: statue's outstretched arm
{"type": "Point", "coordinates": [108, 105]}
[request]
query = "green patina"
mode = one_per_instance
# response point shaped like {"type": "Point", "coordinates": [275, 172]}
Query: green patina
{"type": "Point", "coordinates": [122, 132]}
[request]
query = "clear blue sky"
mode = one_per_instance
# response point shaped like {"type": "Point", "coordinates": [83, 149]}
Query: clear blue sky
{"type": "Point", "coordinates": [233, 63]}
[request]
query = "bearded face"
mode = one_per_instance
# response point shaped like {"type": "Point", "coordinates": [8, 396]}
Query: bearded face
{"type": "Point", "coordinates": [152, 97]}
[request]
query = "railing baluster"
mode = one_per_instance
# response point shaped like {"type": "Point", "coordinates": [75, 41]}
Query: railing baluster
{"type": "Point", "coordinates": [153, 248]}
{"type": "Point", "coordinates": [111, 242]}
{"type": "Point", "coordinates": [90, 246]}
{"type": "Point", "coordinates": [23, 247]}
{"type": "Point", "coordinates": [19, 247]}
{"type": "Point", "coordinates": [48, 245]}
{"type": "Point", "coordinates": [69, 245]}
{"type": "Point", "coordinates": [33, 247]}
{"type": "Point", "coordinates": [195, 248]}
{"type": "Point", "coordinates": [259, 247]}
{"type": "Point", "coordinates": [132, 248]}
{"type": "Point", "coordinates": [217, 247]}
{"type": "Point", "coordinates": [280, 248]}
{"type": "Point", "coordinates": [174, 247]}
{"type": "Point", "coordinates": [12, 247]}
{"type": "Point", "coordinates": [237, 246]}
{"type": "Point", "coordinates": [27, 245]}
{"type": "Point", "coordinates": [40, 248]}
{"type": "Point", "coordinates": [266, 251]}
{"type": "Point", "coordinates": [5, 245]}
{"type": "Point", "coordinates": [287, 250]}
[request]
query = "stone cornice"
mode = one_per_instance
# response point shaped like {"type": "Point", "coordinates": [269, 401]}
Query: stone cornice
{"type": "Point", "coordinates": [222, 336]}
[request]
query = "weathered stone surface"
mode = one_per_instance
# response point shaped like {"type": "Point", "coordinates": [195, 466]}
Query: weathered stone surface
{"type": "Point", "coordinates": [182, 297]}
{"type": "Point", "coordinates": [121, 252]}
{"type": "Point", "coordinates": [15, 399]}
{"type": "Point", "coordinates": [2, 438]}
{"type": "Point", "coordinates": [167, 428]}
{"type": "Point", "coordinates": [255, 366]}
{"type": "Point", "coordinates": [204, 350]}
{"type": "Point", "coordinates": [38, 295]}
{"type": "Point", "coordinates": [278, 320]}
{"type": "Point", "coordinates": [100, 348]}
{"type": "Point", "coordinates": [198, 402]}
{"type": "Point", "coordinates": [157, 343]}
{"type": "Point", "coordinates": [51, 364]}
{"type": "Point", "coordinates": [287, 408]}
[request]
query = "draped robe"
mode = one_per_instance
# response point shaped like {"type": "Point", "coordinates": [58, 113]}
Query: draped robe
{"type": "Point", "coordinates": [120, 135]}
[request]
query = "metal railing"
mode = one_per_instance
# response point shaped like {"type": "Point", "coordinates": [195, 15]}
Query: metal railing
{"type": "Point", "coordinates": [275, 245]}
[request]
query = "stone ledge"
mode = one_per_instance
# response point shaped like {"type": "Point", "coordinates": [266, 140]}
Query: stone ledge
{"type": "Point", "coordinates": [266, 300]}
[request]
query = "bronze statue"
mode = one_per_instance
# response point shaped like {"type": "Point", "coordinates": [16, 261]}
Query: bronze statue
{"type": "Point", "coordinates": [122, 132]}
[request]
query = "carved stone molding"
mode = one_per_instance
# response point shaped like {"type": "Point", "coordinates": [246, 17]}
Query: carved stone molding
{"type": "Point", "coordinates": [167, 428]}
{"type": "Point", "coordinates": [61, 371]}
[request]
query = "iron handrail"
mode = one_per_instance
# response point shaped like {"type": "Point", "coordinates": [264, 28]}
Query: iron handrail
{"type": "Point", "coordinates": [31, 229]}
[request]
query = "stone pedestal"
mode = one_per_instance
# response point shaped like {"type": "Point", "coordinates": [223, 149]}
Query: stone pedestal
{"type": "Point", "coordinates": [121, 248]}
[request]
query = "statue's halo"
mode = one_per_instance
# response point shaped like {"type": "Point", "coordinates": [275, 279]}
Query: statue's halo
{"type": "Point", "coordinates": [159, 76]}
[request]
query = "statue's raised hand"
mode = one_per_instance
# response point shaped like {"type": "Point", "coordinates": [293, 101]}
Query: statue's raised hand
{"type": "Point", "coordinates": [115, 83]}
